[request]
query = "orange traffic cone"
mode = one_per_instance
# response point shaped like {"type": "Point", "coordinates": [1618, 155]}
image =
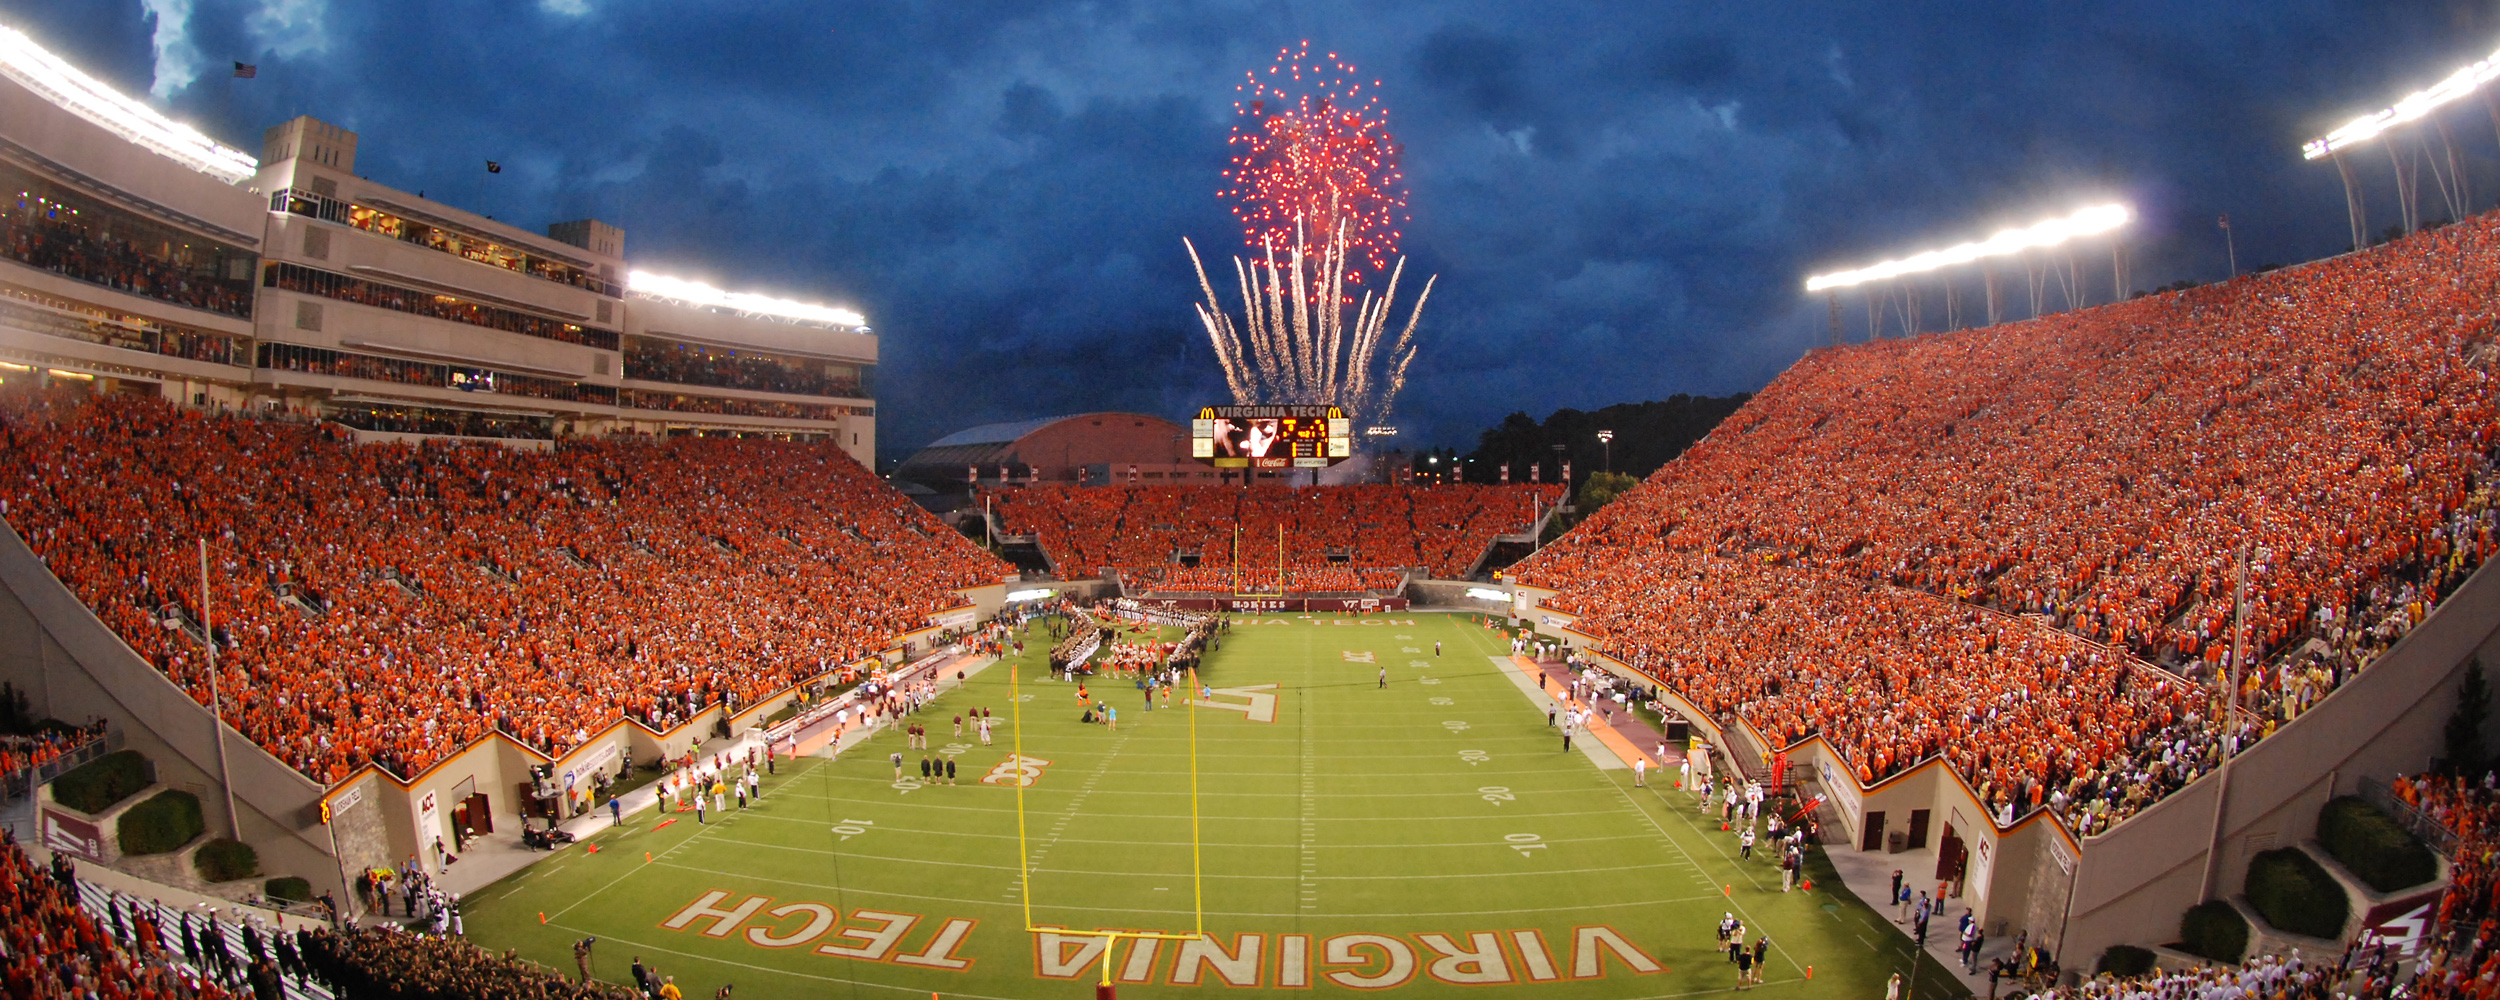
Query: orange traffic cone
{"type": "Point", "coordinates": [1809, 972]}
{"type": "Point", "coordinates": [1809, 885]}
{"type": "Point", "coordinates": [542, 916]}
{"type": "Point", "coordinates": [646, 857]}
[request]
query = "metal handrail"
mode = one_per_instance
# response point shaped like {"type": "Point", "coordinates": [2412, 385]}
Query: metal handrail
{"type": "Point", "coordinates": [2432, 832]}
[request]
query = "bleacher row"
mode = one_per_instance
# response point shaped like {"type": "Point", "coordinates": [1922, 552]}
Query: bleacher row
{"type": "Point", "coordinates": [392, 604]}
{"type": "Point", "coordinates": [1991, 545]}
{"type": "Point", "coordinates": [1378, 528]}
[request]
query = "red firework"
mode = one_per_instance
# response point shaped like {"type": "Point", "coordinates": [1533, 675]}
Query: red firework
{"type": "Point", "coordinates": [1315, 153]}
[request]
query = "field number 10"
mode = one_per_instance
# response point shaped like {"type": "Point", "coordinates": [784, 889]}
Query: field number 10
{"type": "Point", "coordinates": [1525, 842]}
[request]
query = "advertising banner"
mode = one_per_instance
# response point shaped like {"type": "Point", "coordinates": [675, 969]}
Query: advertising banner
{"type": "Point", "coordinates": [66, 834]}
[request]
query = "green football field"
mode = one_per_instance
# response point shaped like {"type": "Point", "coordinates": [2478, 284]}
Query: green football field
{"type": "Point", "coordinates": [1431, 837]}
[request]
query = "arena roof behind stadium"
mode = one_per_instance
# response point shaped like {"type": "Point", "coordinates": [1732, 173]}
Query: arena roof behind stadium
{"type": "Point", "coordinates": [1058, 449]}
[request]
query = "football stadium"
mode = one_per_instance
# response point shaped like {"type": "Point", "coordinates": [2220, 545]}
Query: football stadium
{"type": "Point", "coordinates": [396, 602]}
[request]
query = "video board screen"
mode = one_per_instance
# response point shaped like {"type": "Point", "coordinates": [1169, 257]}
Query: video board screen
{"type": "Point", "coordinates": [1271, 437]}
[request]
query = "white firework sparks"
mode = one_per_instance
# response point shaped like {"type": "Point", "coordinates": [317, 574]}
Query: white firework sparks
{"type": "Point", "coordinates": [1295, 343]}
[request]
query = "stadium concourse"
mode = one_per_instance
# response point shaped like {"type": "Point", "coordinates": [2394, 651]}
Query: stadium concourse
{"type": "Point", "coordinates": [1334, 539]}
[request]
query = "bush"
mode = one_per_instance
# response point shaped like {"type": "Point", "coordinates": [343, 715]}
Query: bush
{"type": "Point", "coordinates": [223, 860]}
{"type": "Point", "coordinates": [96, 785]}
{"type": "Point", "coordinates": [162, 823]}
{"type": "Point", "coordinates": [2293, 893]}
{"type": "Point", "coordinates": [2211, 929]}
{"type": "Point", "coordinates": [289, 888]}
{"type": "Point", "coordinates": [2383, 854]}
{"type": "Point", "coordinates": [2125, 960]}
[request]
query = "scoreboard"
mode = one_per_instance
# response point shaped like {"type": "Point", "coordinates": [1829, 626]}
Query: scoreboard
{"type": "Point", "coordinates": [1271, 437]}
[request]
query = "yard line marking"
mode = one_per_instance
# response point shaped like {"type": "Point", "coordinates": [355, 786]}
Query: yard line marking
{"type": "Point", "coordinates": [781, 880]}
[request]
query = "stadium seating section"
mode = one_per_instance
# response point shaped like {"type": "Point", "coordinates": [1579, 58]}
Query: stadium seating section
{"type": "Point", "coordinates": [1336, 538]}
{"type": "Point", "coordinates": [57, 951]}
{"type": "Point", "coordinates": [2017, 546]}
{"type": "Point", "coordinates": [392, 603]}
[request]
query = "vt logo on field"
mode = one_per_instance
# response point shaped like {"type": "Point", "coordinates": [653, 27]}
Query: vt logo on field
{"type": "Point", "coordinates": [1016, 770]}
{"type": "Point", "coordinates": [1259, 705]}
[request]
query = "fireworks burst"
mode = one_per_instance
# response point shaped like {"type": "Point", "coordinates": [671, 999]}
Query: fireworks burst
{"type": "Point", "coordinates": [1317, 189]}
{"type": "Point", "coordinates": [1313, 159]}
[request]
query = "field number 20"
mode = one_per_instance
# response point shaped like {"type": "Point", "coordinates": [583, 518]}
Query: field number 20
{"type": "Point", "coordinates": [1473, 757]}
{"type": "Point", "coordinates": [1496, 794]}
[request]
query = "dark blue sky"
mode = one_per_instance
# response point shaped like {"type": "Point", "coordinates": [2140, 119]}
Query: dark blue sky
{"type": "Point", "coordinates": [1621, 198]}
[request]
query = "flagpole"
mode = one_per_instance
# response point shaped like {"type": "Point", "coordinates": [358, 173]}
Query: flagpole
{"type": "Point", "coordinates": [216, 703]}
{"type": "Point", "coordinates": [2231, 246]}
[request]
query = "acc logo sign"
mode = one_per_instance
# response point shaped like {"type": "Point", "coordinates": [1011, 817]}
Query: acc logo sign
{"type": "Point", "coordinates": [1363, 656]}
{"type": "Point", "coordinates": [1016, 770]}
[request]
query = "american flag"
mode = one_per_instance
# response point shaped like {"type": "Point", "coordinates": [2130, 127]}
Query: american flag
{"type": "Point", "coordinates": [245, 71]}
{"type": "Point", "coordinates": [493, 167]}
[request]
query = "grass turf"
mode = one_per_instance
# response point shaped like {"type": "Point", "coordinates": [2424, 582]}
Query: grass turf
{"type": "Point", "coordinates": [1409, 838]}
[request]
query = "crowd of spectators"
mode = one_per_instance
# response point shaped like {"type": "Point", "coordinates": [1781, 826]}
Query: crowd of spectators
{"type": "Point", "coordinates": [453, 423]}
{"type": "Point", "coordinates": [693, 364]}
{"type": "Point", "coordinates": [2263, 978]}
{"type": "Point", "coordinates": [33, 311]}
{"type": "Point", "coordinates": [18, 752]}
{"type": "Point", "coordinates": [1443, 529]}
{"type": "Point", "coordinates": [57, 950]}
{"type": "Point", "coordinates": [55, 236]}
{"type": "Point", "coordinates": [2462, 958]}
{"type": "Point", "coordinates": [644, 399]}
{"type": "Point", "coordinates": [1249, 579]}
{"type": "Point", "coordinates": [390, 964]}
{"type": "Point", "coordinates": [406, 371]}
{"type": "Point", "coordinates": [2016, 547]}
{"type": "Point", "coordinates": [395, 603]}
{"type": "Point", "coordinates": [381, 295]}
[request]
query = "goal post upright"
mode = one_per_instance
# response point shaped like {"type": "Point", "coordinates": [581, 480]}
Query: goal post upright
{"type": "Point", "coordinates": [1024, 862]}
{"type": "Point", "coordinates": [1024, 854]}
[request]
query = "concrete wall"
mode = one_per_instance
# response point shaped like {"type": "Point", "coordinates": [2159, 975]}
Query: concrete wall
{"type": "Point", "coordinates": [2136, 879]}
{"type": "Point", "coordinates": [73, 667]}
{"type": "Point", "coordinates": [2131, 884]}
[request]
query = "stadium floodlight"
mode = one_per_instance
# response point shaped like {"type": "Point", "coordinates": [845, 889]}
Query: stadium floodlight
{"type": "Point", "coordinates": [74, 91]}
{"type": "Point", "coordinates": [2097, 219]}
{"type": "Point", "coordinates": [2415, 105]}
{"type": "Point", "coordinates": [696, 293]}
